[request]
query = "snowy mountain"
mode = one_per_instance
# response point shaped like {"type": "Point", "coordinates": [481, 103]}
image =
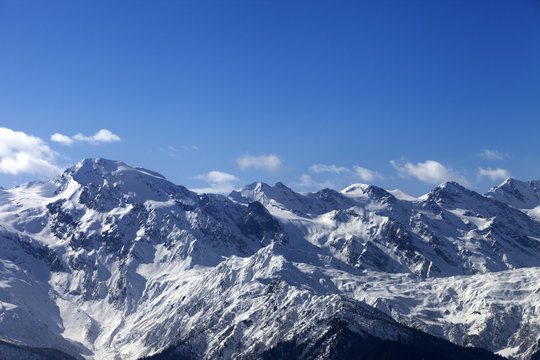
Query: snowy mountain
{"type": "Point", "coordinates": [108, 261]}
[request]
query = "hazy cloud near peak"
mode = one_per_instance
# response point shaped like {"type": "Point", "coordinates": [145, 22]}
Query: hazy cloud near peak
{"type": "Point", "coordinates": [268, 163]}
{"type": "Point", "coordinates": [219, 182]}
{"type": "Point", "coordinates": [494, 174]}
{"type": "Point", "coordinates": [22, 153]}
{"type": "Point", "coordinates": [102, 136]}
{"type": "Point", "coordinates": [364, 174]}
{"type": "Point", "coordinates": [307, 182]}
{"type": "Point", "coordinates": [430, 172]}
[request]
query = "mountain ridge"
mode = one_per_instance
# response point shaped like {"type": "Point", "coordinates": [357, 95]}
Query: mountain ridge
{"type": "Point", "coordinates": [141, 264]}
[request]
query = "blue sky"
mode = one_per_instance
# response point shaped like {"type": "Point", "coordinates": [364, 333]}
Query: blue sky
{"type": "Point", "coordinates": [217, 94]}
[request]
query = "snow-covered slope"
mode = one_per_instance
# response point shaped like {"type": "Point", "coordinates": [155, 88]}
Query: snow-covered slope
{"type": "Point", "coordinates": [108, 261]}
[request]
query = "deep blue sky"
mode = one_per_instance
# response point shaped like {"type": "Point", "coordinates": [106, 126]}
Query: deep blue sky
{"type": "Point", "coordinates": [344, 83]}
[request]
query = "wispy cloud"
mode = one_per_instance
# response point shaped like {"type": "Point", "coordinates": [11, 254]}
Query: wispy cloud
{"type": "Point", "coordinates": [362, 173]}
{"type": "Point", "coordinates": [430, 171]}
{"type": "Point", "coordinates": [322, 168]}
{"type": "Point", "coordinates": [268, 163]}
{"type": "Point", "coordinates": [173, 151]}
{"type": "Point", "coordinates": [494, 174]}
{"type": "Point", "coordinates": [492, 154]}
{"type": "Point", "coordinates": [219, 182]}
{"type": "Point", "coordinates": [22, 153]}
{"type": "Point", "coordinates": [102, 136]}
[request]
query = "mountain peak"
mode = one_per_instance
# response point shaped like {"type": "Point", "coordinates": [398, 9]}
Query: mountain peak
{"type": "Point", "coordinates": [280, 185]}
{"type": "Point", "coordinates": [515, 183]}
{"type": "Point", "coordinates": [452, 185]}
{"type": "Point", "coordinates": [449, 193]}
{"type": "Point", "coordinates": [264, 193]}
{"type": "Point", "coordinates": [449, 187]}
{"type": "Point", "coordinates": [516, 193]}
{"type": "Point", "coordinates": [120, 181]}
{"type": "Point", "coordinates": [257, 185]}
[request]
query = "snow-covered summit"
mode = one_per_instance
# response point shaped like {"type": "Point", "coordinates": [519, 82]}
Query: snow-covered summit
{"type": "Point", "coordinates": [100, 170]}
{"type": "Point", "coordinates": [101, 178]}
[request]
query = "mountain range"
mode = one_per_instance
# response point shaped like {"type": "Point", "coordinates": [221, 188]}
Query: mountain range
{"type": "Point", "coordinates": [109, 261]}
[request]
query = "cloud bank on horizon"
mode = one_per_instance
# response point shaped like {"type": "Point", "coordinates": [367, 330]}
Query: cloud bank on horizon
{"type": "Point", "coordinates": [21, 153]}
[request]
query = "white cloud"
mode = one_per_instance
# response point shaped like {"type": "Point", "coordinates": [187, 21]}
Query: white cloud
{"type": "Point", "coordinates": [268, 163]}
{"type": "Point", "coordinates": [494, 174]}
{"type": "Point", "coordinates": [102, 136]}
{"type": "Point", "coordinates": [320, 168]}
{"type": "Point", "coordinates": [366, 174]}
{"type": "Point", "coordinates": [22, 153]}
{"type": "Point", "coordinates": [217, 177]}
{"type": "Point", "coordinates": [430, 171]}
{"type": "Point", "coordinates": [219, 182]}
{"type": "Point", "coordinates": [63, 139]}
{"type": "Point", "coordinates": [492, 154]}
